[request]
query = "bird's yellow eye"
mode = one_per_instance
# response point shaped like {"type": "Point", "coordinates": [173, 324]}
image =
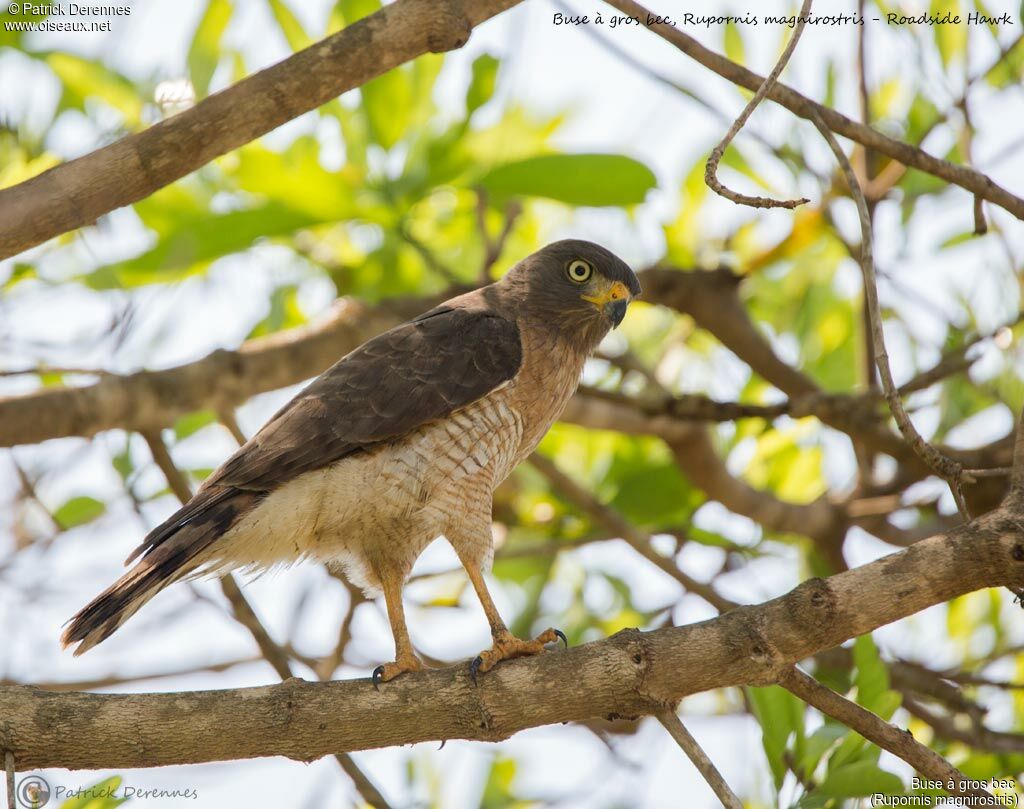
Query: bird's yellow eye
{"type": "Point", "coordinates": [579, 271]}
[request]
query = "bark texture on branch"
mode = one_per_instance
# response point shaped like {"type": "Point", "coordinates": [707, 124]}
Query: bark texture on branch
{"type": "Point", "coordinates": [630, 674]}
{"type": "Point", "coordinates": [78, 192]}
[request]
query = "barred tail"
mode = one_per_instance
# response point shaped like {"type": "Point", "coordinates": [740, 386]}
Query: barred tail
{"type": "Point", "coordinates": [170, 552]}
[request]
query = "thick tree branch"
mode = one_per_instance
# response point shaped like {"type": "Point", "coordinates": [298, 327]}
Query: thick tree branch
{"type": "Point", "coordinates": [77, 193]}
{"type": "Point", "coordinates": [150, 400]}
{"type": "Point", "coordinates": [630, 674]}
{"type": "Point", "coordinates": [963, 176]}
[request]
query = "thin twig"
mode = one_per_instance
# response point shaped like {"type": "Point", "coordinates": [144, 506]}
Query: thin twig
{"type": "Point", "coordinates": [711, 170]}
{"type": "Point", "coordinates": [872, 727]}
{"type": "Point", "coordinates": [242, 610]}
{"type": "Point", "coordinates": [96, 683]}
{"type": "Point", "coordinates": [620, 526]}
{"type": "Point", "coordinates": [493, 247]}
{"type": "Point", "coordinates": [429, 258]}
{"type": "Point", "coordinates": [979, 737]}
{"type": "Point", "coordinates": [230, 421]}
{"type": "Point", "coordinates": [942, 465]}
{"type": "Point", "coordinates": [674, 725]}
{"type": "Point", "coordinates": [1017, 478]}
{"type": "Point", "coordinates": [9, 767]}
{"type": "Point", "coordinates": [905, 153]}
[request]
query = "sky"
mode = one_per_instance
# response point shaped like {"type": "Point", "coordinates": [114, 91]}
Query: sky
{"type": "Point", "coordinates": [614, 108]}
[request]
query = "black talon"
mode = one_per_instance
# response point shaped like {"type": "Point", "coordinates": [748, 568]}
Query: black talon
{"type": "Point", "coordinates": [377, 674]}
{"type": "Point", "coordinates": [561, 635]}
{"type": "Point", "coordinates": [474, 667]}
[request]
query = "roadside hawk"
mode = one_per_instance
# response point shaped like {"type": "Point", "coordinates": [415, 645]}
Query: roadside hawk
{"type": "Point", "coordinates": [401, 441]}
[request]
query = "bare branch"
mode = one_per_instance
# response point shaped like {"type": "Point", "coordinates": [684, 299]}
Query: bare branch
{"type": "Point", "coordinates": [630, 674]}
{"type": "Point", "coordinates": [872, 727]}
{"type": "Point", "coordinates": [963, 176]}
{"type": "Point", "coordinates": [9, 769]}
{"type": "Point", "coordinates": [77, 193]}
{"type": "Point", "coordinates": [978, 737]}
{"type": "Point", "coordinates": [674, 725]}
{"type": "Point", "coordinates": [942, 465]}
{"type": "Point", "coordinates": [493, 247]}
{"type": "Point", "coordinates": [1017, 479]}
{"type": "Point", "coordinates": [618, 525]}
{"type": "Point", "coordinates": [711, 169]}
{"type": "Point", "coordinates": [244, 614]}
{"type": "Point", "coordinates": [96, 683]}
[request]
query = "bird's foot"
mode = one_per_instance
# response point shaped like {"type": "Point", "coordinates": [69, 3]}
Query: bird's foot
{"type": "Point", "coordinates": [389, 671]}
{"type": "Point", "coordinates": [506, 646]}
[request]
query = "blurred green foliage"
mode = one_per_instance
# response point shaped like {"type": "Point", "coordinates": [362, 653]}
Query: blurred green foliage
{"type": "Point", "coordinates": [386, 199]}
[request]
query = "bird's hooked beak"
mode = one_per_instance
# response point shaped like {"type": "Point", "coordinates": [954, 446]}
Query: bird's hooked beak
{"type": "Point", "coordinates": [612, 300]}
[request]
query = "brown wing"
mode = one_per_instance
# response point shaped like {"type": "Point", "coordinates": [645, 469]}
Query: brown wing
{"type": "Point", "coordinates": [413, 374]}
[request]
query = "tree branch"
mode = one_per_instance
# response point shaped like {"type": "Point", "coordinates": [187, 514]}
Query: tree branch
{"type": "Point", "coordinates": [711, 169]}
{"type": "Point", "coordinates": [78, 192]}
{"type": "Point", "coordinates": [630, 674]}
{"type": "Point", "coordinates": [674, 725]}
{"type": "Point", "coordinates": [243, 612]}
{"type": "Point", "coordinates": [941, 464]}
{"type": "Point", "coordinates": [872, 727]}
{"type": "Point", "coordinates": [970, 180]}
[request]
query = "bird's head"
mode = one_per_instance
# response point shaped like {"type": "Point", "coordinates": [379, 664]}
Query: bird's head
{"type": "Point", "coordinates": [574, 287]}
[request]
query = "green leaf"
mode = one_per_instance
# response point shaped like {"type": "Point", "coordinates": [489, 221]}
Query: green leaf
{"type": "Point", "coordinates": [733, 42]}
{"type": "Point", "coordinates": [190, 249]}
{"type": "Point", "coordinates": [656, 495]}
{"type": "Point", "coordinates": [204, 53]}
{"type": "Point", "coordinates": [819, 743]}
{"type": "Point", "coordinates": [19, 272]}
{"type": "Point", "coordinates": [921, 117]}
{"type": "Point", "coordinates": [79, 511]}
{"type": "Point", "coordinates": [859, 780]}
{"type": "Point", "coordinates": [575, 179]}
{"type": "Point", "coordinates": [350, 11]}
{"type": "Point", "coordinates": [1009, 69]}
{"type": "Point", "coordinates": [387, 103]}
{"type": "Point", "coordinates": [297, 180]}
{"type": "Point", "coordinates": [97, 796]}
{"type": "Point", "coordinates": [481, 86]}
{"type": "Point", "coordinates": [84, 78]}
{"type": "Point", "coordinates": [872, 677]}
{"type": "Point", "coordinates": [192, 423]}
{"type": "Point", "coordinates": [12, 39]}
{"type": "Point", "coordinates": [290, 26]}
{"type": "Point", "coordinates": [122, 461]}
{"type": "Point", "coordinates": [498, 788]}
{"type": "Point", "coordinates": [950, 39]}
{"type": "Point", "coordinates": [284, 312]}
{"type": "Point", "coordinates": [781, 716]}
{"type": "Point", "coordinates": [830, 84]}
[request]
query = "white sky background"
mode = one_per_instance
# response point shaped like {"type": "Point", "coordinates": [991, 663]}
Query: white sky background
{"type": "Point", "coordinates": [615, 109]}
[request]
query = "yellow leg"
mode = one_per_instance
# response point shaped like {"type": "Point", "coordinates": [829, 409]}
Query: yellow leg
{"type": "Point", "coordinates": [506, 645]}
{"type": "Point", "coordinates": [405, 657]}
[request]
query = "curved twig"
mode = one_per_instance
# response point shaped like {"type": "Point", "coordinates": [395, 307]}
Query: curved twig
{"type": "Point", "coordinates": [711, 169]}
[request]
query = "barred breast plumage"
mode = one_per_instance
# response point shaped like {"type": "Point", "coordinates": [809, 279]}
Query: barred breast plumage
{"type": "Point", "coordinates": [377, 510]}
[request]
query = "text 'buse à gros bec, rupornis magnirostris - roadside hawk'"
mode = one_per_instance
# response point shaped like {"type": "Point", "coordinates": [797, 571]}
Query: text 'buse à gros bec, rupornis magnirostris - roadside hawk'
{"type": "Point", "coordinates": [400, 442]}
